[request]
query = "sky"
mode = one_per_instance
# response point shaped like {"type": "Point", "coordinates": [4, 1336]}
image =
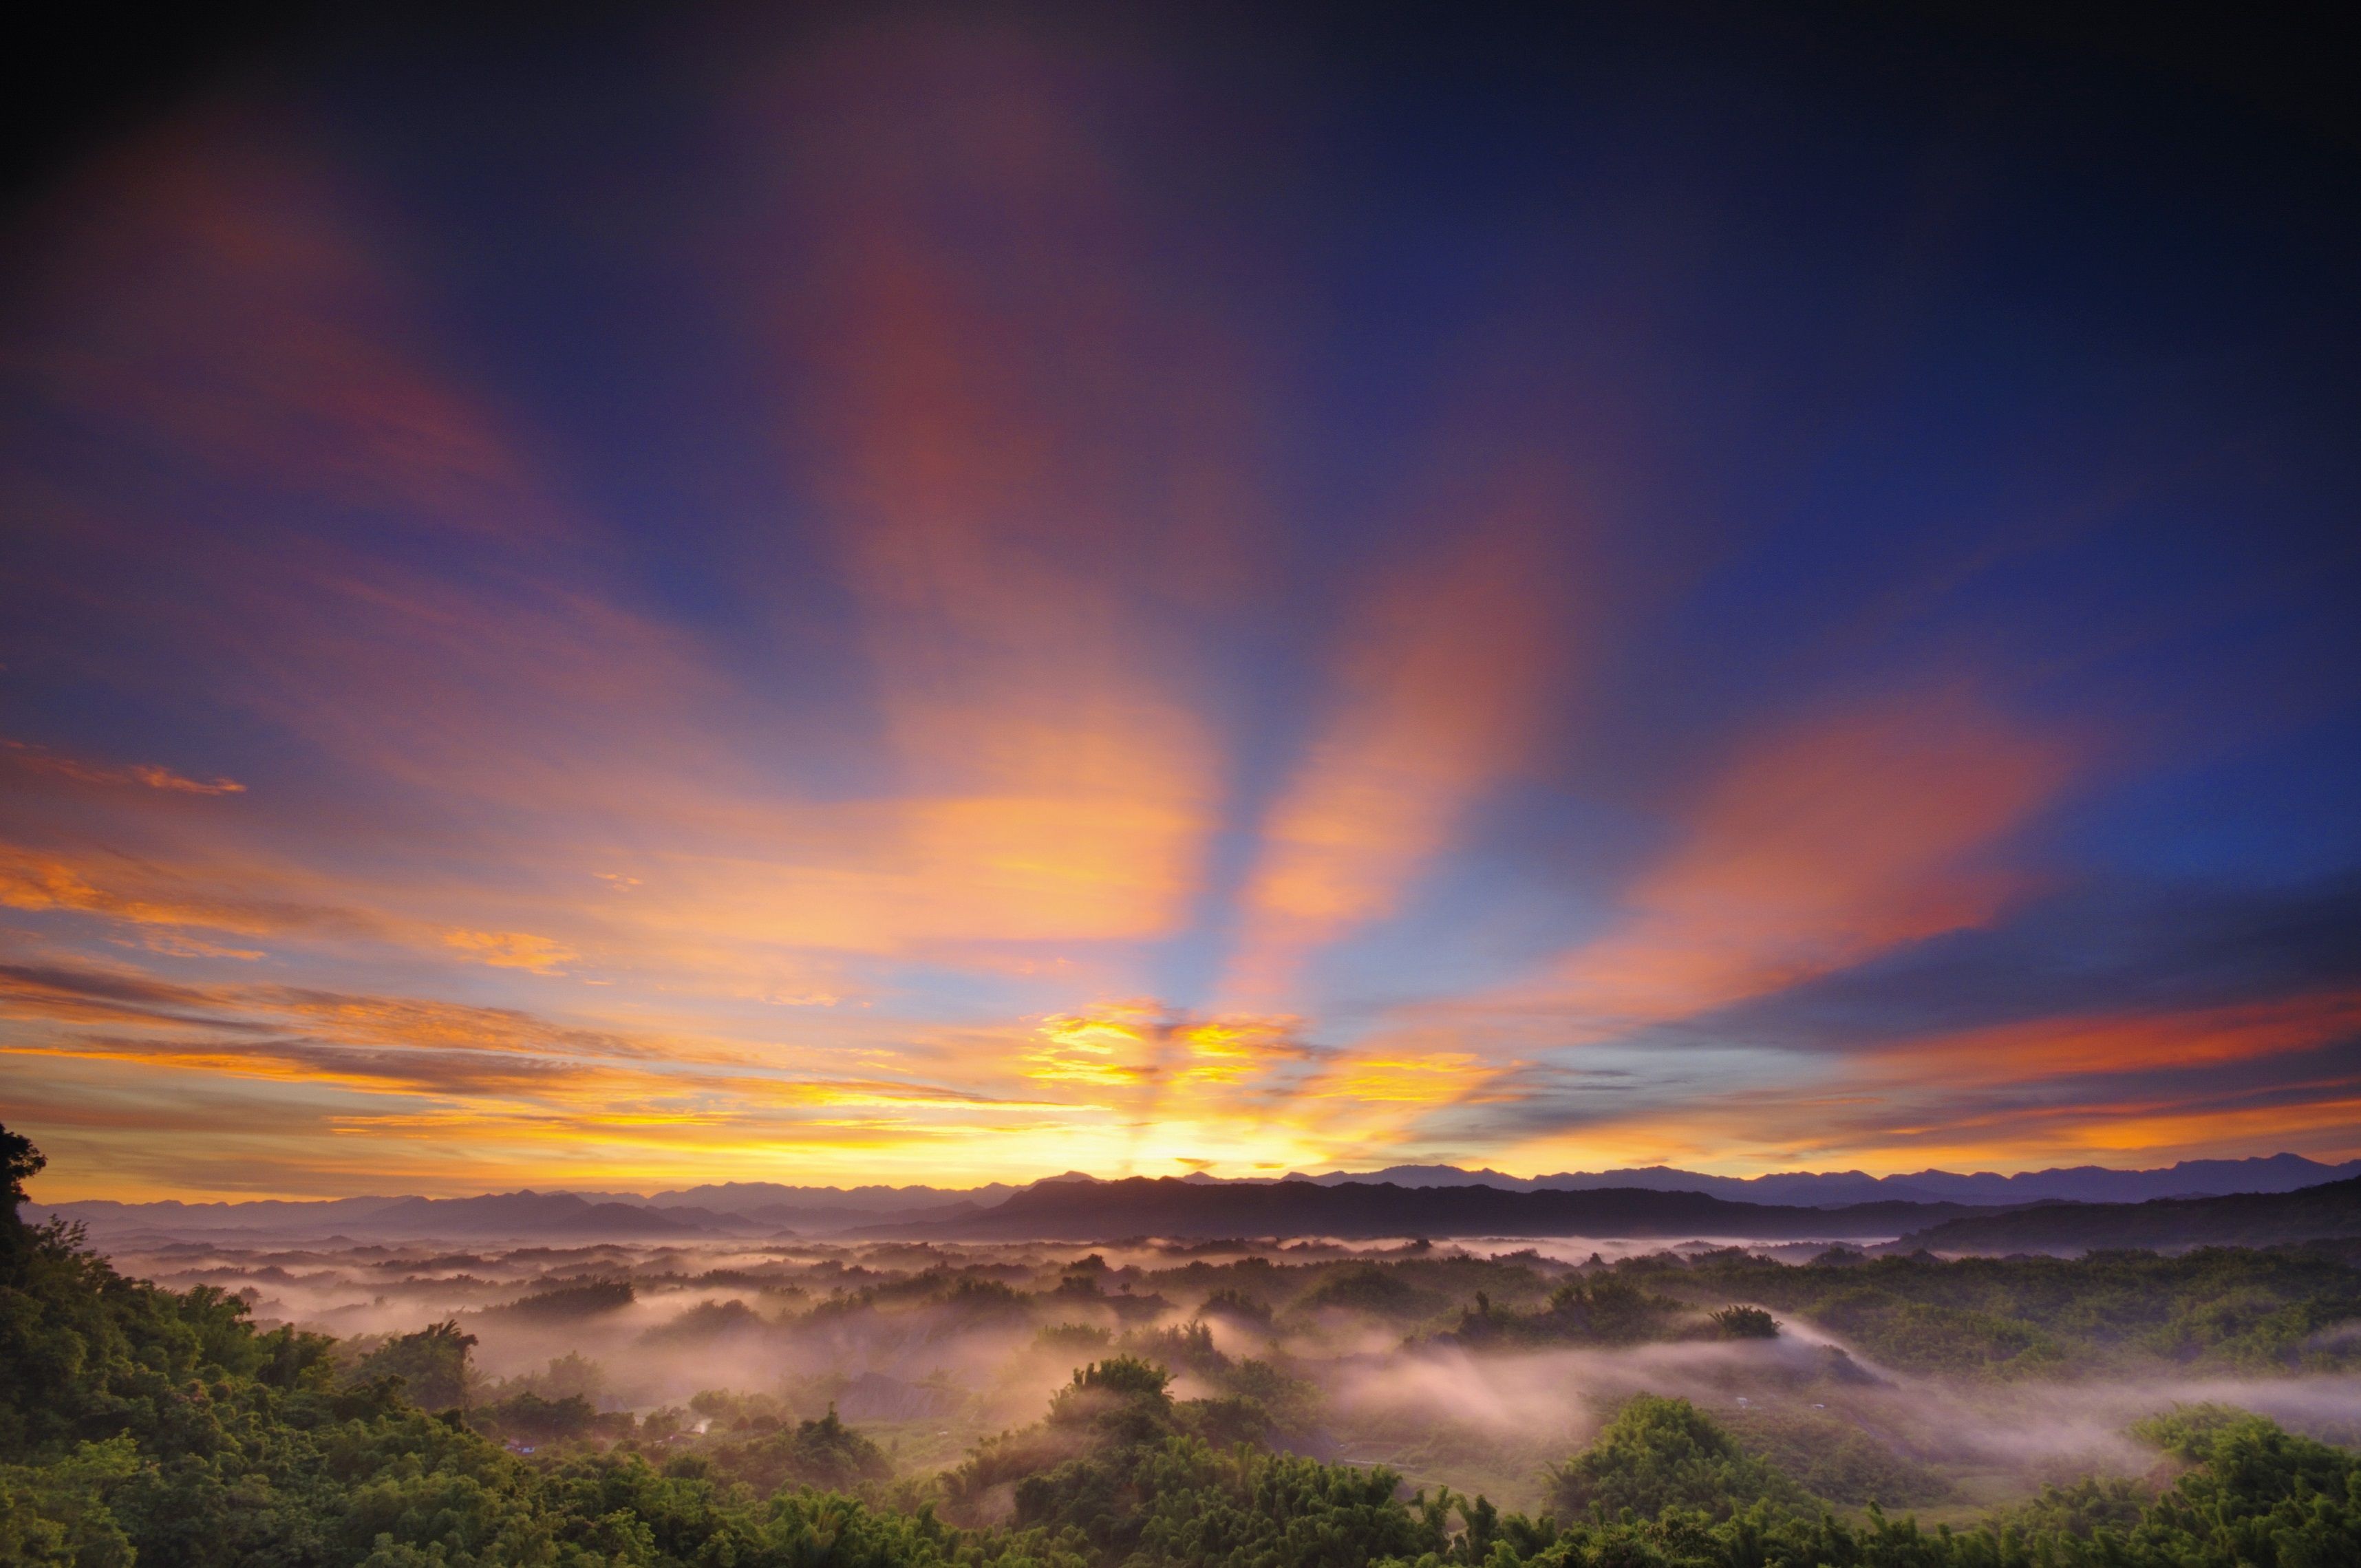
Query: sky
{"type": "Point", "coordinates": [947, 595]}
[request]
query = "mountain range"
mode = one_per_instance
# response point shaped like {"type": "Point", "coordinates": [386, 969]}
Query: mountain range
{"type": "Point", "coordinates": [2327, 1212]}
{"type": "Point", "coordinates": [1175, 1207]}
{"type": "Point", "coordinates": [1398, 1200]}
{"type": "Point", "coordinates": [2077, 1184]}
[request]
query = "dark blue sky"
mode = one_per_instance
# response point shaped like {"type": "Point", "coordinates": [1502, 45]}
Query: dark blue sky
{"type": "Point", "coordinates": [958, 594]}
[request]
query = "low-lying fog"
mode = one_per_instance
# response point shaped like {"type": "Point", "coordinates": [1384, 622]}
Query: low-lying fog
{"type": "Point", "coordinates": [929, 1347]}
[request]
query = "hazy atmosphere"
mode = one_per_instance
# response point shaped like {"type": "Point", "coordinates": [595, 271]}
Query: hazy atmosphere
{"type": "Point", "coordinates": [930, 1349]}
{"type": "Point", "coordinates": [842, 594]}
{"type": "Point", "coordinates": [928, 784]}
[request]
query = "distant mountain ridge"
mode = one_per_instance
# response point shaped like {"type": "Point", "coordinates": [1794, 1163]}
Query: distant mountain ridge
{"type": "Point", "coordinates": [762, 1209]}
{"type": "Point", "coordinates": [519, 1216]}
{"type": "Point", "coordinates": [752, 1197]}
{"type": "Point", "coordinates": [2076, 1184]}
{"type": "Point", "coordinates": [1175, 1207]}
{"type": "Point", "coordinates": [2327, 1212]}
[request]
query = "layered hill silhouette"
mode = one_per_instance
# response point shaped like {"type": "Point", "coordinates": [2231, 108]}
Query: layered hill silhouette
{"type": "Point", "coordinates": [1110, 1210]}
{"type": "Point", "coordinates": [750, 1210]}
{"type": "Point", "coordinates": [1170, 1206]}
{"type": "Point", "coordinates": [1428, 1201]}
{"type": "Point", "coordinates": [2247, 1219]}
{"type": "Point", "coordinates": [2079, 1184]}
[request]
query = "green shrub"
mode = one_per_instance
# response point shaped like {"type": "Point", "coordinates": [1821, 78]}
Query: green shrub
{"type": "Point", "coordinates": [1745, 1322]}
{"type": "Point", "coordinates": [1660, 1454]}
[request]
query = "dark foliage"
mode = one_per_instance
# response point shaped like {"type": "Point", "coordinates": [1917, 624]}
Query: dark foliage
{"type": "Point", "coordinates": [568, 1302]}
{"type": "Point", "coordinates": [1598, 1309]}
{"type": "Point", "coordinates": [1665, 1453]}
{"type": "Point", "coordinates": [1237, 1306]}
{"type": "Point", "coordinates": [146, 1427]}
{"type": "Point", "coordinates": [1745, 1322]}
{"type": "Point", "coordinates": [430, 1366]}
{"type": "Point", "coordinates": [1376, 1289]}
{"type": "Point", "coordinates": [1984, 1317]}
{"type": "Point", "coordinates": [823, 1453]}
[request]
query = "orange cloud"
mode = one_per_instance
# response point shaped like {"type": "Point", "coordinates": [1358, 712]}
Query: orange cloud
{"type": "Point", "coordinates": [513, 1120]}
{"type": "Point", "coordinates": [1819, 846]}
{"type": "Point", "coordinates": [1436, 1078]}
{"type": "Point", "coordinates": [1143, 1044]}
{"type": "Point", "coordinates": [31, 881]}
{"type": "Point", "coordinates": [1437, 693]}
{"type": "Point", "coordinates": [181, 945]}
{"type": "Point", "coordinates": [2155, 1086]}
{"type": "Point", "coordinates": [1241, 1093]}
{"type": "Point", "coordinates": [2322, 1118]}
{"type": "Point", "coordinates": [471, 1077]}
{"type": "Point", "coordinates": [1147, 1086]}
{"type": "Point", "coordinates": [1047, 779]}
{"type": "Point", "coordinates": [1031, 454]}
{"type": "Point", "coordinates": [153, 775]}
{"type": "Point", "coordinates": [251, 326]}
{"type": "Point", "coordinates": [92, 996]}
{"type": "Point", "coordinates": [244, 899]}
{"type": "Point", "coordinates": [483, 1079]}
{"type": "Point", "coordinates": [2330, 1124]}
{"type": "Point", "coordinates": [2043, 1048]}
{"type": "Point", "coordinates": [408, 1021]}
{"type": "Point", "coordinates": [1097, 1049]}
{"type": "Point", "coordinates": [1025, 422]}
{"type": "Point", "coordinates": [506, 1080]}
{"type": "Point", "coordinates": [922, 875]}
{"type": "Point", "coordinates": [220, 299]}
{"type": "Point", "coordinates": [512, 949]}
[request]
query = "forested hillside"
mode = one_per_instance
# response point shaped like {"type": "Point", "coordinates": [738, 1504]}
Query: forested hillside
{"type": "Point", "coordinates": [2241, 1219]}
{"type": "Point", "coordinates": [139, 1425]}
{"type": "Point", "coordinates": [1087, 1211]}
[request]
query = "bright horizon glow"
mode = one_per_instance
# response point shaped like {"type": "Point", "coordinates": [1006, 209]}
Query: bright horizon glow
{"type": "Point", "coordinates": [934, 602]}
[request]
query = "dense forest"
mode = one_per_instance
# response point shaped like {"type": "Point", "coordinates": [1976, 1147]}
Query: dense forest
{"type": "Point", "coordinates": [141, 1424]}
